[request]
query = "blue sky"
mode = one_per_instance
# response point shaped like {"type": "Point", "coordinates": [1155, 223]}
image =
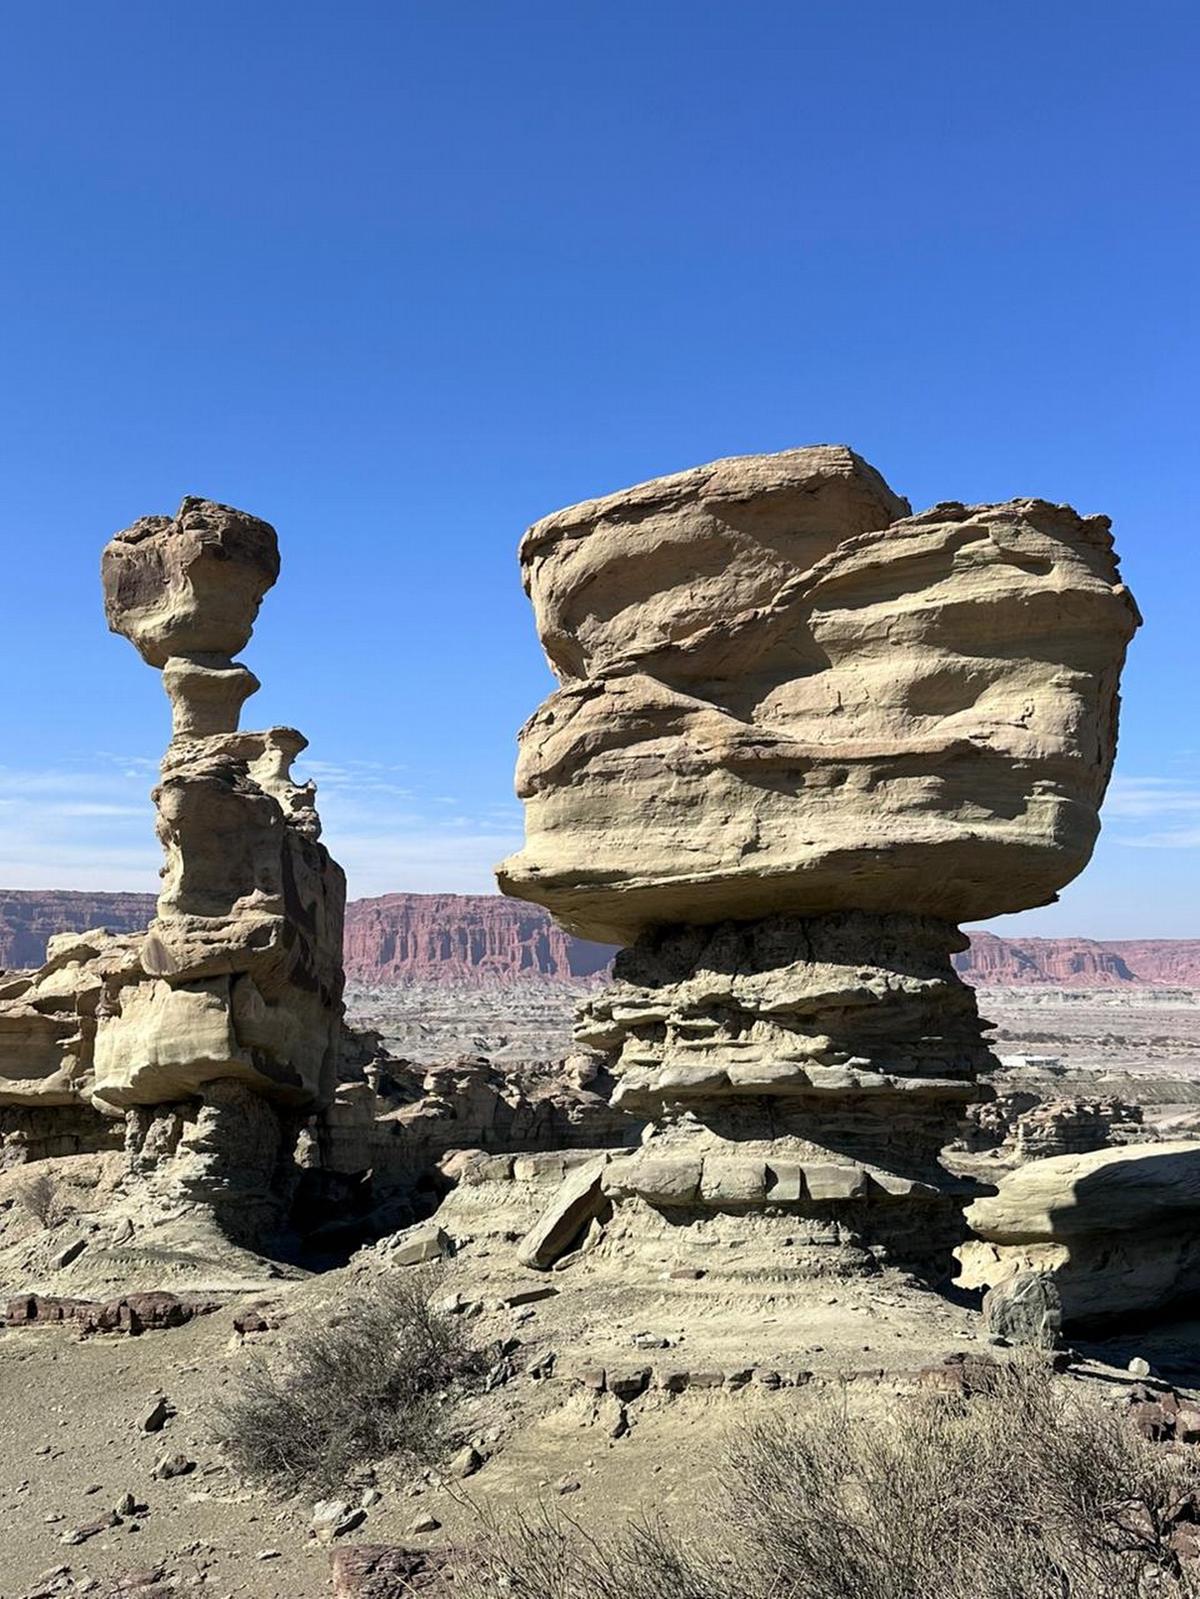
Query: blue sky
{"type": "Point", "coordinates": [402, 277]}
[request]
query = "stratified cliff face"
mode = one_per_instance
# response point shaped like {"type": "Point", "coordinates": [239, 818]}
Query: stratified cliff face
{"type": "Point", "coordinates": [461, 938]}
{"type": "Point", "coordinates": [1173, 962]}
{"type": "Point", "coordinates": [1061, 962]}
{"type": "Point", "coordinates": [484, 938]}
{"type": "Point", "coordinates": [29, 917]}
{"type": "Point", "coordinates": [1080, 962]}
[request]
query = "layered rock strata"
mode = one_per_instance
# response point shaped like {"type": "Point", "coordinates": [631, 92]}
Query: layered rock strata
{"type": "Point", "coordinates": [1116, 1231]}
{"type": "Point", "coordinates": [799, 735]}
{"type": "Point", "coordinates": [219, 1027]}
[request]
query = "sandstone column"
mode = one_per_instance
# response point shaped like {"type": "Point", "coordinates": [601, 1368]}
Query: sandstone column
{"type": "Point", "coordinates": [242, 966]}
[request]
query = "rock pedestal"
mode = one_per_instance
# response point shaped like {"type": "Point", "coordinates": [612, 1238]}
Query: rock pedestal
{"type": "Point", "coordinates": [243, 962]}
{"type": "Point", "coordinates": [223, 1021]}
{"type": "Point", "coordinates": [807, 1068]}
{"type": "Point", "coordinates": [799, 735]}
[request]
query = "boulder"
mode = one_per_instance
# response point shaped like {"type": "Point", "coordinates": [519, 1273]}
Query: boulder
{"type": "Point", "coordinates": [779, 692]}
{"type": "Point", "coordinates": [1116, 1231]}
{"type": "Point", "coordinates": [579, 1198]}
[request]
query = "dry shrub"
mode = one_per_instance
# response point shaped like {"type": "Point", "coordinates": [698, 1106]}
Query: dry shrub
{"type": "Point", "coordinates": [377, 1383]}
{"type": "Point", "coordinates": [39, 1198]}
{"type": "Point", "coordinates": [1030, 1491]}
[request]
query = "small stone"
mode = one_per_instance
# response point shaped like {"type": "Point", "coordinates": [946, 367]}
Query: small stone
{"type": "Point", "coordinates": [568, 1485]}
{"type": "Point", "coordinates": [466, 1462]}
{"type": "Point", "coordinates": [269, 1554]}
{"type": "Point", "coordinates": [425, 1524]}
{"type": "Point", "coordinates": [155, 1418]}
{"type": "Point", "coordinates": [167, 1466]}
{"type": "Point", "coordinates": [91, 1529]}
{"type": "Point", "coordinates": [1138, 1367]}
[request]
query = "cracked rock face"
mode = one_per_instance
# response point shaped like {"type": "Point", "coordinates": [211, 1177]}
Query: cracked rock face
{"type": "Point", "coordinates": [781, 693]}
{"type": "Point", "coordinates": [801, 733]}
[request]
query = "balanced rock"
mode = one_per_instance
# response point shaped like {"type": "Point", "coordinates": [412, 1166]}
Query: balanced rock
{"type": "Point", "coordinates": [799, 735]}
{"type": "Point", "coordinates": [230, 1004]}
{"type": "Point", "coordinates": [189, 584]}
{"type": "Point", "coordinates": [242, 964]}
{"type": "Point", "coordinates": [1116, 1231]}
{"type": "Point", "coordinates": [780, 693]}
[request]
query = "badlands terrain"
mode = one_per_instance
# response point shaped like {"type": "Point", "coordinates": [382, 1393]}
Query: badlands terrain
{"type": "Point", "coordinates": [308, 1284]}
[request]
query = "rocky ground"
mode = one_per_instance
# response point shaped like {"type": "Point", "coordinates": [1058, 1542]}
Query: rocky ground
{"type": "Point", "coordinates": [603, 1399]}
{"type": "Point", "coordinates": [431, 1021]}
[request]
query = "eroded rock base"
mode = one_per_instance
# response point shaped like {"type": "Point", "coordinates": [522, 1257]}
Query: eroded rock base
{"type": "Point", "coordinates": [800, 1076]}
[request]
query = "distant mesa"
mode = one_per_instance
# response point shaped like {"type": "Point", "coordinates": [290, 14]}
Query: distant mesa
{"type": "Point", "coordinates": [482, 938]}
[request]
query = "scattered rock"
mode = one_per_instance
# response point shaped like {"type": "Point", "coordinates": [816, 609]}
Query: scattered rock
{"type": "Point", "coordinates": [155, 1417]}
{"type": "Point", "coordinates": [466, 1462]}
{"type": "Point", "coordinates": [333, 1518]}
{"type": "Point", "coordinates": [418, 1244]}
{"type": "Point", "coordinates": [92, 1529]}
{"type": "Point", "coordinates": [382, 1571]}
{"type": "Point", "coordinates": [1024, 1309]}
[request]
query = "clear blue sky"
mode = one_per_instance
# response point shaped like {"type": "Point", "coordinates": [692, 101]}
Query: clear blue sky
{"type": "Point", "coordinates": [401, 277]}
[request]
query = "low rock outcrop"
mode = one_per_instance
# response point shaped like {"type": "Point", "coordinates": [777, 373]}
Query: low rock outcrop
{"type": "Point", "coordinates": [1116, 1231]}
{"type": "Point", "coordinates": [799, 735]}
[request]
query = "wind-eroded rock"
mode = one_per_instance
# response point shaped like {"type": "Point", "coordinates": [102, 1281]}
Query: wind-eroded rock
{"type": "Point", "coordinates": [239, 975]}
{"type": "Point", "coordinates": [781, 693]}
{"type": "Point", "coordinates": [799, 734]}
{"type": "Point", "coordinates": [189, 584]}
{"type": "Point", "coordinates": [1117, 1230]}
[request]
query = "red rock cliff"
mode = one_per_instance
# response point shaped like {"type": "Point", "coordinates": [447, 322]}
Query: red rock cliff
{"type": "Point", "coordinates": [1081, 962]}
{"type": "Point", "coordinates": [400, 938]}
{"type": "Point", "coordinates": [461, 937]}
{"type": "Point", "coordinates": [29, 917]}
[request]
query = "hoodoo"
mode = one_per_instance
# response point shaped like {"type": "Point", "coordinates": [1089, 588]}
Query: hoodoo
{"type": "Point", "coordinates": [800, 735]}
{"type": "Point", "coordinates": [211, 1033]}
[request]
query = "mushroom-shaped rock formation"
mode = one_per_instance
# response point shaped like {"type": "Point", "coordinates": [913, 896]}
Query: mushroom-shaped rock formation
{"type": "Point", "coordinates": [240, 973]}
{"type": "Point", "coordinates": [800, 734]}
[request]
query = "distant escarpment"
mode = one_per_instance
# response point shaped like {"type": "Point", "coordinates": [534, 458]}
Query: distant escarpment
{"type": "Point", "coordinates": [484, 938]}
{"type": "Point", "coordinates": [461, 938]}
{"type": "Point", "coordinates": [1080, 962]}
{"type": "Point", "coordinates": [28, 917]}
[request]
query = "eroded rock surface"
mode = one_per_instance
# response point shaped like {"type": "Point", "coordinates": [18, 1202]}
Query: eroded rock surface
{"type": "Point", "coordinates": [220, 1026]}
{"type": "Point", "coordinates": [1117, 1231]}
{"type": "Point", "coordinates": [799, 735]}
{"type": "Point", "coordinates": [781, 693]}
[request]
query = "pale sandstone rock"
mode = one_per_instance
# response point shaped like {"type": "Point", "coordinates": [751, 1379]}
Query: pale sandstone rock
{"type": "Point", "coordinates": [576, 1203]}
{"type": "Point", "coordinates": [243, 960]}
{"type": "Point", "coordinates": [799, 734]}
{"type": "Point", "coordinates": [779, 693]}
{"type": "Point", "coordinates": [1116, 1230]}
{"type": "Point", "coordinates": [191, 584]}
{"type": "Point", "coordinates": [217, 1029]}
